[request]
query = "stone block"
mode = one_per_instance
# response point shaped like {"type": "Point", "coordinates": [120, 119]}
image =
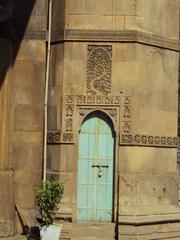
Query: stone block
{"type": "Point", "coordinates": [89, 7]}
{"type": "Point", "coordinates": [37, 15]}
{"type": "Point", "coordinates": [7, 214]}
{"type": "Point", "coordinates": [26, 137]}
{"type": "Point", "coordinates": [150, 231]}
{"type": "Point", "coordinates": [25, 157]}
{"type": "Point", "coordinates": [28, 73]}
{"type": "Point", "coordinates": [28, 118]}
{"type": "Point", "coordinates": [31, 51]}
{"type": "Point", "coordinates": [146, 194]}
{"type": "Point", "coordinates": [29, 95]}
{"type": "Point", "coordinates": [24, 195]}
{"type": "Point", "coordinates": [128, 7]}
{"type": "Point", "coordinates": [88, 21]}
{"type": "Point", "coordinates": [52, 117]}
{"type": "Point", "coordinates": [149, 159]}
{"type": "Point", "coordinates": [53, 158]}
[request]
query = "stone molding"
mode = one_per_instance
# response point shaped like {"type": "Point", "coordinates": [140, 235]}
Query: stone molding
{"type": "Point", "coordinates": [35, 35]}
{"type": "Point", "coordinates": [149, 140]}
{"type": "Point", "coordinates": [133, 36]}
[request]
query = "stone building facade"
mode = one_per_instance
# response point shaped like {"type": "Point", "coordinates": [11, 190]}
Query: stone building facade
{"type": "Point", "coordinates": [113, 64]}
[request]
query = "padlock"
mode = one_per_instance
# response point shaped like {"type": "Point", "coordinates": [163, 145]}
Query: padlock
{"type": "Point", "coordinates": [100, 173]}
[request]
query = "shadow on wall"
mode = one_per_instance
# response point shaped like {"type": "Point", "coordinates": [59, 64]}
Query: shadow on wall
{"type": "Point", "coordinates": [14, 17]}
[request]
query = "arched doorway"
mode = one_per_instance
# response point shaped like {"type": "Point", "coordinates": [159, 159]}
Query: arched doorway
{"type": "Point", "coordinates": [95, 169]}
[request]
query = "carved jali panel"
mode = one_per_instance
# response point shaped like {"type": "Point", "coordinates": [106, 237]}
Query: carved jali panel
{"type": "Point", "coordinates": [99, 68]}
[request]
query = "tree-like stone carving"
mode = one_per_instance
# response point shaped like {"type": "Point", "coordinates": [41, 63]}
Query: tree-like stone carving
{"type": "Point", "coordinates": [99, 67]}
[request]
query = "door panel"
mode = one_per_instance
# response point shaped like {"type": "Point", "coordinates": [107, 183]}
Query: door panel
{"type": "Point", "coordinates": [96, 157]}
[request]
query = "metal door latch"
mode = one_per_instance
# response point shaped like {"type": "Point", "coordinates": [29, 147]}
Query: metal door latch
{"type": "Point", "coordinates": [100, 169]}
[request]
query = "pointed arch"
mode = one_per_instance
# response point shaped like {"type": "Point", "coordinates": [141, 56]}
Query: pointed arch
{"type": "Point", "coordinates": [102, 115]}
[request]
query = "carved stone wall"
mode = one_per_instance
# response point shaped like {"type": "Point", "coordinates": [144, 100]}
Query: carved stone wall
{"type": "Point", "coordinates": [109, 63]}
{"type": "Point", "coordinates": [83, 104]}
{"type": "Point", "coordinates": [118, 108]}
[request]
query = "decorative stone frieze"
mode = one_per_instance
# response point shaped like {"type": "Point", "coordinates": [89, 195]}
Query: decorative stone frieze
{"type": "Point", "coordinates": [133, 36]}
{"type": "Point", "coordinates": [97, 100]}
{"type": "Point", "coordinates": [148, 140]}
{"type": "Point", "coordinates": [84, 105]}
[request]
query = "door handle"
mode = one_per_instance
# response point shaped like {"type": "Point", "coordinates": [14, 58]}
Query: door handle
{"type": "Point", "coordinates": [100, 166]}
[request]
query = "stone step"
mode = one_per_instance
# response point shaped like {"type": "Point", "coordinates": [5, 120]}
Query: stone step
{"type": "Point", "coordinates": [17, 237]}
{"type": "Point", "coordinates": [92, 231]}
{"type": "Point", "coordinates": [91, 238]}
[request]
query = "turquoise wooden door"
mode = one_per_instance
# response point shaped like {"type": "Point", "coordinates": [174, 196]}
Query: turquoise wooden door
{"type": "Point", "coordinates": [95, 170]}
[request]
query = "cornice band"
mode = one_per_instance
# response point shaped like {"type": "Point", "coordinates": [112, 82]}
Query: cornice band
{"type": "Point", "coordinates": [133, 36]}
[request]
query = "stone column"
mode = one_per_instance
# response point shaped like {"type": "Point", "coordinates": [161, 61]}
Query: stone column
{"type": "Point", "coordinates": [6, 170]}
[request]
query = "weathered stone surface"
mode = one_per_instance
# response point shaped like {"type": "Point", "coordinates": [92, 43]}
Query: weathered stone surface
{"type": "Point", "coordinates": [144, 78]}
{"type": "Point", "coordinates": [26, 131]}
{"type": "Point", "coordinates": [155, 17]}
{"type": "Point", "coordinates": [148, 183]}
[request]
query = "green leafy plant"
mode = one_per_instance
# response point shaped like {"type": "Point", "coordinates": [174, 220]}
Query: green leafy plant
{"type": "Point", "coordinates": [48, 195]}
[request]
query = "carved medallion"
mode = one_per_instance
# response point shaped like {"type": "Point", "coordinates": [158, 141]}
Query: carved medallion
{"type": "Point", "coordinates": [69, 125]}
{"type": "Point", "coordinates": [67, 137]}
{"type": "Point", "coordinates": [99, 68]}
{"type": "Point", "coordinates": [53, 137]}
{"type": "Point", "coordinates": [126, 116]}
{"type": "Point", "coordinates": [127, 112]}
{"type": "Point", "coordinates": [126, 127]}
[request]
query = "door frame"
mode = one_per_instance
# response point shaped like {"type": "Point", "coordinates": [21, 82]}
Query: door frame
{"type": "Point", "coordinates": [113, 113]}
{"type": "Point", "coordinates": [108, 122]}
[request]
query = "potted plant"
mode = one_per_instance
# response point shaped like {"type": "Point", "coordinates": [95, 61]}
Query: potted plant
{"type": "Point", "coordinates": [48, 196]}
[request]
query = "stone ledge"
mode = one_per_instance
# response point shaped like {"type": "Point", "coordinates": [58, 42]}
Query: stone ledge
{"type": "Point", "coordinates": [133, 36]}
{"type": "Point", "coordinates": [161, 215]}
